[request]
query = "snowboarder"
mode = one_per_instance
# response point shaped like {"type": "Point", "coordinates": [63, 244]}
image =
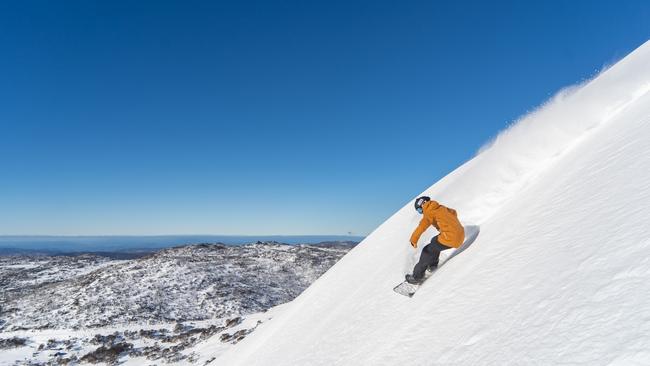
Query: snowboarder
{"type": "Point", "coordinates": [451, 235]}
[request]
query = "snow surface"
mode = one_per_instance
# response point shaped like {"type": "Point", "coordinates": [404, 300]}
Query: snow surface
{"type": "Point", "coordinates": [559, 274]}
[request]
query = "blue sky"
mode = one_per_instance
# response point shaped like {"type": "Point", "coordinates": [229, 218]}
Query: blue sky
{"type": "Point", "coordinates": [277, 117]}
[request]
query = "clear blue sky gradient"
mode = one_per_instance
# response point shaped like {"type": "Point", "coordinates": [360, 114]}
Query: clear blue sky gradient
{"type": "Point", "coordinates": [277, 117]}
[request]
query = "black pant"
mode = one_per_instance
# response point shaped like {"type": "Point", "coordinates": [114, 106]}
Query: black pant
{"type": "Point", "coordinates": [429, 257]}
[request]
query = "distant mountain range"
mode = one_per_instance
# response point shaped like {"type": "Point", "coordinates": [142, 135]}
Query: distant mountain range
{"type": "Point", "coordinates": [25, 244]}
{"type": "Point", "coordinates": [89, 307]}
{"type": "Point", "coordinates": [92, 290]}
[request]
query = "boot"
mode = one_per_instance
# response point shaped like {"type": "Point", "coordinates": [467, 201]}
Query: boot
{"type": "Point", "coordinates": [412, 280]}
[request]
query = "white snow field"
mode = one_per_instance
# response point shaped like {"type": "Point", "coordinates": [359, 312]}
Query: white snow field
{"type": "Point", "coordinates": [559, 274]}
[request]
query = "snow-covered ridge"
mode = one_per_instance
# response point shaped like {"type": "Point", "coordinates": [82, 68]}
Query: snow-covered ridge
{"type": "Point", "coordinates": [151, 310]}
{"type": "Point", "coordinates": [558, 274]}
{"type": "Point", "coordinates": [193, 282]}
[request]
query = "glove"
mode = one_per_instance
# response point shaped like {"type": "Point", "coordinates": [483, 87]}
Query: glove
{"type": "Point", "coordinates": [414, 245]}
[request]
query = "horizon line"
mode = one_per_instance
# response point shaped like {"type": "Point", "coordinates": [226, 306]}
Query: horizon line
{"type": "Point", "coordinates": [163, 235]}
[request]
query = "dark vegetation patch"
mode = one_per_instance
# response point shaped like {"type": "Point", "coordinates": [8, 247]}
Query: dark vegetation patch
{"type": "Point", "coordinates": [13, 342]}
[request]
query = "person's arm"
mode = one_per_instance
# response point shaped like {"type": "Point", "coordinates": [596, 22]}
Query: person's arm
{"type": "Point", "coordinates": [422, 227]}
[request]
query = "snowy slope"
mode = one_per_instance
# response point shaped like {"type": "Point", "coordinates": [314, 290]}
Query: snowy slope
{"type": "Point", "coordinates": [560, 272]}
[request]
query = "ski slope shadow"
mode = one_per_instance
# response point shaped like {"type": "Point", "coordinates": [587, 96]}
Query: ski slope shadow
{"type": "Point", "coordinates": [471, 233]}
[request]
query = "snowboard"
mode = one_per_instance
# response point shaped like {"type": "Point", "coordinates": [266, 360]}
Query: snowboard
{"type": "Point", "coordinates": [407, 289]}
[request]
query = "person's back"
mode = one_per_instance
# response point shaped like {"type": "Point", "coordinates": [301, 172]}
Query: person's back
{"type": "Point", "coordinates": [445, 220]}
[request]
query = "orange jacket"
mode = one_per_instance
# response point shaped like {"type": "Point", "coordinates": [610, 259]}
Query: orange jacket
{"type": "Point", "coordinates": [445, 220]}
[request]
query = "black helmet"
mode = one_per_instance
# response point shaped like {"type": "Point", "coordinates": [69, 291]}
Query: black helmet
{"type": "Point", "coordinates": [419, 202]}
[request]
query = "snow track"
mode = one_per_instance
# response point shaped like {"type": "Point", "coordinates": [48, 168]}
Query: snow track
{"type": "Point", "coordinates": [560, 273]}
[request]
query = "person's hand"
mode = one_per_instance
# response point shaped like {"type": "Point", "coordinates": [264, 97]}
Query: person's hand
{"type": "Point", "coordinates": [414, 245]}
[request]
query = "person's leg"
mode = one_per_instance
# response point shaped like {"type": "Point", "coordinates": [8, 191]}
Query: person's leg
{"type": "Point", "coordinates": [436, 248]}
{"type": "Point", "coordinates": [429, 257]}
{"type": "Point", "coordinates": [426, 258]}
